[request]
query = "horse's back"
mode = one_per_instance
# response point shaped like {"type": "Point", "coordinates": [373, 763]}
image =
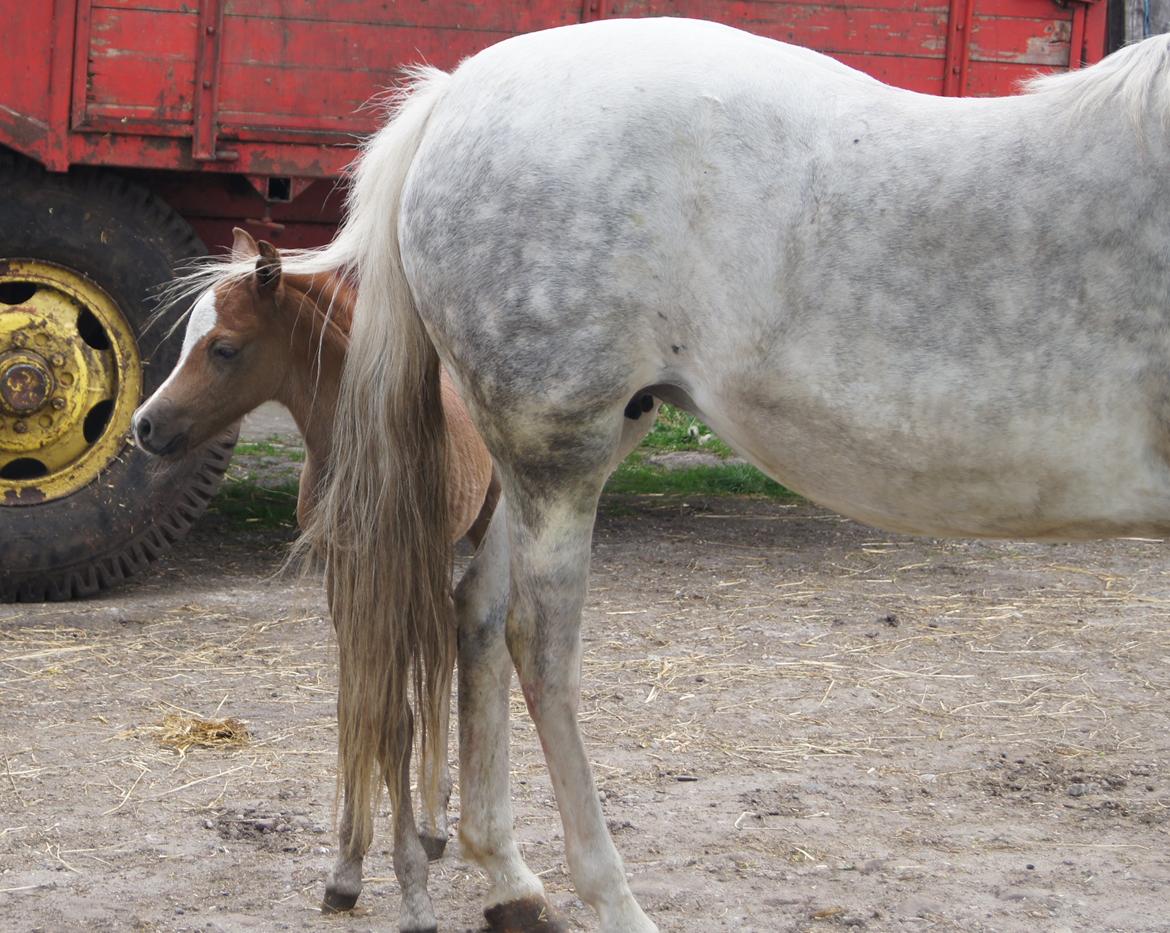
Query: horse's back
{"type": "Point", "coordinates": [888, 301]}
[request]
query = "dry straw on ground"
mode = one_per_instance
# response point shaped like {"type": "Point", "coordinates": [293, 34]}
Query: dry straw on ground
{"type": "Point", "coordinates": [182, 732]}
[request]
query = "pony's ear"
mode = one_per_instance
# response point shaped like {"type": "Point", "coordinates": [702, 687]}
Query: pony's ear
{"type": "Point", "coordinates": [243, 246]}
{"type": "Point", "coordinates": [267, 268]}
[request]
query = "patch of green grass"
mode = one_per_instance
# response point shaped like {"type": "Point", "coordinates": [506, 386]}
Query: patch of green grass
{"type": "Point", "coordinates": [243, 503]}
{"type": "Point", "coordinates": [263, 495]}
{"type": "Point", "coordinates": [674, 429]}
{"type": "Point", "coordinates": [636, 477]}
{"type": "Point", "coordinates": [293, 453]}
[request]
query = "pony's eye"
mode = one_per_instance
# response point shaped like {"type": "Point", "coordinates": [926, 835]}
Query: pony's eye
{"type": "Point", "coordinates": [224, 351]}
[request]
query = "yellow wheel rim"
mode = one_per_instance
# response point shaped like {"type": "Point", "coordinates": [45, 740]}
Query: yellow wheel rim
{"type": "Point", "coordinates": [70, 379]}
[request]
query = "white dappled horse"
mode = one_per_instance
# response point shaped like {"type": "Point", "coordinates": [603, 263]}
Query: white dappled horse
{"type": "Point", "coordinates": [938, 316]}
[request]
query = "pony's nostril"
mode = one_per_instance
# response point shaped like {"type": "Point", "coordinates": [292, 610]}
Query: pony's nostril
{"type": "Point", "coordinates": [142, 427]}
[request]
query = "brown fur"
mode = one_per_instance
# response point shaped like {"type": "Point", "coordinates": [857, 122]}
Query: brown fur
{"type": "Point", "coordinates": [292, 334]}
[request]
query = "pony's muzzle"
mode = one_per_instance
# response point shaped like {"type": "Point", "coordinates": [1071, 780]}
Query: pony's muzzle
{"type": "Point", "coordinates": [158, 431]}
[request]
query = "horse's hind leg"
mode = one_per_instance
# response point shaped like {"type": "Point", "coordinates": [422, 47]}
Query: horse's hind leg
{"type": "Point", "coordinates": [516, 899]}
{"type": "Point", "coordinates": [552, 505]}
{"type": "Point", "coordinates": [433, 824]}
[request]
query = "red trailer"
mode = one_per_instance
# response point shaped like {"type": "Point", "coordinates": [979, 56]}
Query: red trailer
{"type": "Point", "coordinates": [136, 133]}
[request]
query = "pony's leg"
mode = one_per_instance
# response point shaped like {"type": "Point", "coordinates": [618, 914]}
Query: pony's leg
{"type": "Point", "coordinates": [550, 525]}
{"type": "Point", "coordinates": [344, 883]}
{"type": "Point", "coordinates": [516, 899]}
{"type": "Point", "coordinates": [410, 864]}
{"type": "Point", "coordinates": [416, 914]}
{"type": "Point", "coordinates": [433, 828]}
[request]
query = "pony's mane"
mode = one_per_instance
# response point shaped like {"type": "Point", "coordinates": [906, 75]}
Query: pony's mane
{"type": "Point", "coordinates": [329, 299]}
{"type": "Point", "coordinates": [338, 259]}
{"type": "Point", "coordinates": [301, 269]}
{"type": "Point", "coordinates": [1133, 80]}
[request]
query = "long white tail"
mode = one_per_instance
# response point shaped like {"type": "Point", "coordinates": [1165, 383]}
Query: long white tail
{"type": "Point", "coordinates": [381, 521]}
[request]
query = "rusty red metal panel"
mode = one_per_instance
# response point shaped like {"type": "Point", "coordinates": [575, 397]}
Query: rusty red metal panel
{"type": "Point", "coordinates": [213, 203]}
{"type": "Point", "coordinates": [278, 84]}
{"type": "Point", "coordinates": [506, 18]}
{"type": "Point", "coordinates": [958, 47]}
{"type": "Point", "coordinates": [208, 39]}
{"type": "Point", "coordinates": [136, 67]}
{"type": "Point", "coordinates": [174, 152]}
{"type": "Point", "coordinates": [1096, 28]}
{"type": "Point", "coordinates": [929, 46]}
{"type": "Point", "coordinates": [61, 64]}
{"type": "Point", "coordinates": [310, 67]}
{"type": "Point", "coordinates": [25, 84]}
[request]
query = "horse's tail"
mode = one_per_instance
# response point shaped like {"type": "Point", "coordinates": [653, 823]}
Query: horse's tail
{"type": "Point", "coordinates": [382, 520]}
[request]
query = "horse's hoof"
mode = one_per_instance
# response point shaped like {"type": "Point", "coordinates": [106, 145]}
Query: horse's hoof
{"type": "Point", "coordinates": [434, 846]}
{"type": "Point", "coordinates": [337, 902]}
{"type": "Point", "coordinates": [525, 915]}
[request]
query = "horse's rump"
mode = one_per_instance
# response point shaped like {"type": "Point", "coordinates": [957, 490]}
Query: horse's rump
{"type": "Point", "coordinates": [888, 301]}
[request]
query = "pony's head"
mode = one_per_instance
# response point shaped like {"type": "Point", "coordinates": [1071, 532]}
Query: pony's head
{"type": "Point", "coordinates": [234, 356]}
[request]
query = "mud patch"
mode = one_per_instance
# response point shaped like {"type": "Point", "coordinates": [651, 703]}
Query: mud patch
{"type": "Point", "coordinates": [275, 831]}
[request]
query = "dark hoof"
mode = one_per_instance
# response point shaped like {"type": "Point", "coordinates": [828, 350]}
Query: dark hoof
{"type": "Point", "coordinates": [433, 846]}
{"type": "Point", "coordinates": [337, 902]}
{"type": "Point", "coordinates": [524, 916]}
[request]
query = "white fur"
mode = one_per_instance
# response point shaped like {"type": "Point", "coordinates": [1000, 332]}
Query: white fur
{"type": "Point", "coordinates": [201, 322]}
{"type": "Point", "coordinates": [937, 316]}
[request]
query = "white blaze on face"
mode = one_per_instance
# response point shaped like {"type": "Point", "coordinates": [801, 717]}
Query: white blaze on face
{"type": "Point", "coordinates": [203, 319]}
{"type": "Point", "coordinates": [200, 323]}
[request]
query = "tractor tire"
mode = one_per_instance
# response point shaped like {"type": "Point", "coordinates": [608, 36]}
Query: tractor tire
{"type": "Point", "coordinates": [81, 508]}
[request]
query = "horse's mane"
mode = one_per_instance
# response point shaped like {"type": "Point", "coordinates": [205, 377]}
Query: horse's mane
{"type": "Point", "coordinates": [205, 272]}
{"type": "Point", "coordinates": [330, 300]}
{"type": "Point", "coordinates": [1132, 80]}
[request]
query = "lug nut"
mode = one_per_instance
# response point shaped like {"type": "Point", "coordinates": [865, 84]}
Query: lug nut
{"type": "Point", "coordinates": [57, 359]}
{"type": "Point", "coordinates": [58, 403]}
{"type": "Point", "coordinates": [20, 427]}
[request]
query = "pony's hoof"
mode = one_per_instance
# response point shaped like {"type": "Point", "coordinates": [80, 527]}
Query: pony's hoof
{"type": "Point", "coordinates": [337, 902]}
{"type": "Point", "coordinates": [525, 915]}
{"type": "Point", "coordinates": [433, 846]}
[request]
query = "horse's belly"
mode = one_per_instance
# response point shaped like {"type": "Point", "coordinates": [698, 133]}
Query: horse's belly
{"type": "Point", "coordinates": [1031, 477]}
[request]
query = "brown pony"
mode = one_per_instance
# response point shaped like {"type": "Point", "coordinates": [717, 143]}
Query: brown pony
{"type": "Point", "coordinates": [272, 336]}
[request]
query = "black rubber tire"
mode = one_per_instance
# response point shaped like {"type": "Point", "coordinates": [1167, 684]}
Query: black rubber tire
{"type": "Point", "coordinates": [127, 241]}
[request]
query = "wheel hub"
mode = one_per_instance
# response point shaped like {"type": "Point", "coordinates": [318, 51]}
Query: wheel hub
{"type": "Point", "coordinates": [25, 383]}
{"type": "Point", "coordinates": [70, 379]}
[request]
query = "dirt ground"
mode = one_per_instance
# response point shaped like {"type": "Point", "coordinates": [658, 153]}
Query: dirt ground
{"type": "Point", "coordinates": [796, 723]}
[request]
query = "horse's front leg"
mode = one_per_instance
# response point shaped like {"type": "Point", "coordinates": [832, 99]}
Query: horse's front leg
{"type": "Point", "coordinates": [344, 883]}
{"type": "Point", "coordinates": [516, 898]}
